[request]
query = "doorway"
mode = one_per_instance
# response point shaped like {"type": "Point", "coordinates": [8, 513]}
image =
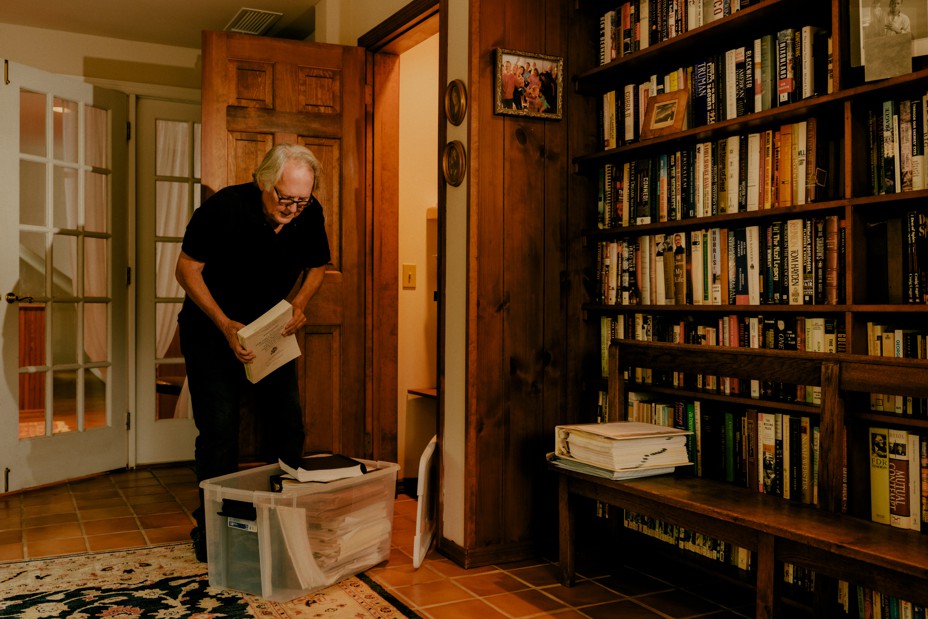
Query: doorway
{"type": "Point", "coordinates": [417, 254]}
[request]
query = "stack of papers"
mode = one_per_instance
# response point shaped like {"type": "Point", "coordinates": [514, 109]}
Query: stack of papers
{"type": "Point", "coordinates": [620, 450]}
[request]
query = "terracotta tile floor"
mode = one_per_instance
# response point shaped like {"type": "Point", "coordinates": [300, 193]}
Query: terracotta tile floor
{"type": "Point", "coordinates": [149, 507]}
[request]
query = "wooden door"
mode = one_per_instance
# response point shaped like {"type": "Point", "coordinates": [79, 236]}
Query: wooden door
{"type": "Point", "coordinates": [258, 92]}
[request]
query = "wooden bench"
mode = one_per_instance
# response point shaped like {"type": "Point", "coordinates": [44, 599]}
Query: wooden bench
{"type": "Point", "coordinates": [887, 559]}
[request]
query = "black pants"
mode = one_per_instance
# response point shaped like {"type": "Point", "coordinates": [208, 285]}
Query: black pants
{"type": "Point", "coordinates": [218, 389]}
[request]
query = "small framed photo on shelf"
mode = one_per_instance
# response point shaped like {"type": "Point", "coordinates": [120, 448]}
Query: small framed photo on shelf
{"type": "Point", "coordinates": [528, 84]}
{"type": "Point", "coordinates": [665, 114]}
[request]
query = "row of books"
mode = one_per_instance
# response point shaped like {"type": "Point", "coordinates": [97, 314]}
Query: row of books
{"type": "Point", "coordinates": [898, 478]}
{"type": "Point", "coordinates": [778, 454]}
{"type": "Point", "coordinates": [867, 603]}
{"type": "Point", "coordinates": [754, 171]}
{"type": "Point", "coordinates": [887, 341]}
{"type": "Point", "coordinates": [772, 453]}
{"type": "Point", "coordinates": [791, 262]}
{"type": "Point", "coordinates": [897, 140]}
{"type": "Point", "coordinates": [858, 601]}
{"type": "Point", "coordinates": [689, 540]}
{"type": "Point", "coordinates": [773, 332]}
{"type": "Point", "coordinates": [897, 258]}
{"type": "Point", "coordinates": [773, 70]}
{"type": "Point", "coordinates": [637, 24]}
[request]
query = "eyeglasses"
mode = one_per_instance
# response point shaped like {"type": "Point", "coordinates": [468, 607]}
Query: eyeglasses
{"type": "Point", "coordinates": [288, 201]}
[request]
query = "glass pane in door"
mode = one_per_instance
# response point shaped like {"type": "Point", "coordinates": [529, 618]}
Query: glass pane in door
{"type": "Point", "coordinates": [32, 123]}
{"type": "Point", "coordinates": [65, 124]}
{"type": "Point", "coordinates": [32, 193]}
{"type": "Point", "coordinates": [96, 197]}
{"type": "Point", "coordinates": [64, 215]}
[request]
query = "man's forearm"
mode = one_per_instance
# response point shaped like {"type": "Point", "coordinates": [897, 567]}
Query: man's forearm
{"type": "Point", "coordinates": [311, 284]}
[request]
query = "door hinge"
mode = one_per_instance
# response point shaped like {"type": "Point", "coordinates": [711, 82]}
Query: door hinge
{"type": "Point", "coordinates": [128, 276]}
{"type": "Point", "coordinates": [128, 131]}
{"type": "Point", "coordinates": [128, 420]}
{"type": "Point", "coordinates": [6, 72]}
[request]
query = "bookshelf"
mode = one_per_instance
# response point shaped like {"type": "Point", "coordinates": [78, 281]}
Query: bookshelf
{"type": "Point", "coordinates": [861, 247]}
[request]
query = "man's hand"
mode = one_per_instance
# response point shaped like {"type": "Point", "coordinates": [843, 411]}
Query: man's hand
{"type": "Point", "coordinates": [230, 330]}
{"type": "Point", "coordinates": [297, 320]}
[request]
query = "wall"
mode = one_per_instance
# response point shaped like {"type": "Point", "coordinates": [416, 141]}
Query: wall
{"type": "Point", "coordinates": [103, 59]}
{"type": "Point", "coordinates": [455, 247]}
{"type": "Point", "coordinates": [418, 189]}
{"type": "Point", "coordinates": [343, 21]}
{"type": "Point", "coordinates": [518, 324]}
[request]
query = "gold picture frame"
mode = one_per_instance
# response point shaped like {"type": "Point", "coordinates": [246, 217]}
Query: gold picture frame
{"type": "Point", "coordinates": [456, 102]}
{"type": "Point", "coordinates": [454, 163]}
{"type": "Point", "coordinates": [528, 84]}
{"type": "Point", "coordinates": [665, 113]}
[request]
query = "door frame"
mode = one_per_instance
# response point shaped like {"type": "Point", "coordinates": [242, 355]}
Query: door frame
{"type": "Point", "coordinates": [406, 28]}
{"type": "Point", "coordinates": [164, 440]}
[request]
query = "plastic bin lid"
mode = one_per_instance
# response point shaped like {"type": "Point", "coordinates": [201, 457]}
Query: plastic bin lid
{"type": "Point", "coordinates": [426, 514]}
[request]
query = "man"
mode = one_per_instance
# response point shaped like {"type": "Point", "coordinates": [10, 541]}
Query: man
{"type": "Point", "coordinates": [897, 22]}
{"type": "Point", "coordinates": [243, 251]}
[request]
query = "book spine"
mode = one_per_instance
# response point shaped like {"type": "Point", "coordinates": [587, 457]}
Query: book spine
{"type": "Point", "coordinates": [879, 475]}
{"type": "Point", "coordinates": [794, 261]}
{"type": "Point", "coordinates": [898, 463]}
{"type": "Point", "coordinates": [832, 254]}
{"type": "Point", "coordinates": [785, 80]}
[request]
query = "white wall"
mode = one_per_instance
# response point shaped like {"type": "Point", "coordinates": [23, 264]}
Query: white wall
{"type": "Point", "coordinates": [173, 70]}
{"type": "Point", "coordinates": [343, 21]}
{"type": "Point", "coordinates": [418, 189]}
{"type": "Point", "coordinates": [454, 396]}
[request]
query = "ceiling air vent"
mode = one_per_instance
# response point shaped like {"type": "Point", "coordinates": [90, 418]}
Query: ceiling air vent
{"type": "Point", "coordinates": [253, 21]}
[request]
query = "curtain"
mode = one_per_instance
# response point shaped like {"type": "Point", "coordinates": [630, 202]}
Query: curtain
{"type": "Point", "coordinates": [172, 158]}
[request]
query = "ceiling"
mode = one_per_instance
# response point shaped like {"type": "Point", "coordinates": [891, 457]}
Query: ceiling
{"type": "Point", "coordinates": [169, 22]}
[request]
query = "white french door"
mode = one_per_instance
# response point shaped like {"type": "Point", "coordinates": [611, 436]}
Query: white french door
{"type": "Point", "coordinates": [168, 191]}
{"type": "Point", "coordinates": [63, 262]}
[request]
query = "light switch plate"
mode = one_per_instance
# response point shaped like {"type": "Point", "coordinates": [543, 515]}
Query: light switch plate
{"type": "Point", "coordinates": [409, 276]}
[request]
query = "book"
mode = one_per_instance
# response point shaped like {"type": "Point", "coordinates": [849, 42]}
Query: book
{"type": "Point", "coordinates": [323, 468]}
{"type": "Point", "coordinates": [572, 464]}
{"type": "Point", "coordinates": [264, 337]}
{"type": "Point", "coordinates": [899, 492]}
{"type": "Point", "coordinates": [622, 445]}
{"type": "Point", "coordinates": [879, 475]}
{"type": "Point", "coordinates": [794, 261]}
{"type": "Point", "coordinates": [915, 482]}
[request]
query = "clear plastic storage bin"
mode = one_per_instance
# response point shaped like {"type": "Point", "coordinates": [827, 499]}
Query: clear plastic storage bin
{"type": "Point", "coordinates": [281, 545]}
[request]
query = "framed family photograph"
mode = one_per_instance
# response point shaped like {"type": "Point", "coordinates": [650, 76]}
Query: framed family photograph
{"type": "Point", "coordinates": [528, 84]}
{"type": "Point", "coordinates": [665, 114]}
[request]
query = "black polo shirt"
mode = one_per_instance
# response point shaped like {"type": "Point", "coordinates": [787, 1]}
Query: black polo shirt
{"type": "Point", "coordinates": [248, 267]}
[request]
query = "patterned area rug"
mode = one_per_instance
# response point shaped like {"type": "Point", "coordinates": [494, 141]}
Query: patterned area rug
{"type": "Point", "coordinates": [166, 582]}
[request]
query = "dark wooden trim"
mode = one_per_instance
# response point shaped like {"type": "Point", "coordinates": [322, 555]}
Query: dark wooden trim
{"type": "Point", "coordinates": [403, 30]}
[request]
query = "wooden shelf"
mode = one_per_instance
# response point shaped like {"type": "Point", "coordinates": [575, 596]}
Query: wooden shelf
{"type": "Point", "coordinates": [846, 380]}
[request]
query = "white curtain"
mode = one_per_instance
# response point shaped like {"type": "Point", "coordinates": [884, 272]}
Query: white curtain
{"type": "Point", "coordinates": [172, 157]}
{"type": "Point", "coordinates": [96, 200]}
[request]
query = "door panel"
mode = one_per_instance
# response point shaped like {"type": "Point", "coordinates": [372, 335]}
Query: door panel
{"type": "Point", "coordinates": [168, 192]}
{"type": "Point", "coordinates": [63, 160]}
{"type": "Point", "coordinates": [258, 92]}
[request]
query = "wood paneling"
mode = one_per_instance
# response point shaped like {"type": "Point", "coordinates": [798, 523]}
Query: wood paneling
{"type": "Point", "coordinates": [517, 308]}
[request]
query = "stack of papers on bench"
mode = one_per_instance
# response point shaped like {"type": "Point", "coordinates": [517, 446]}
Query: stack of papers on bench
{"type": "Point", "coordinates": [620, 450]}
